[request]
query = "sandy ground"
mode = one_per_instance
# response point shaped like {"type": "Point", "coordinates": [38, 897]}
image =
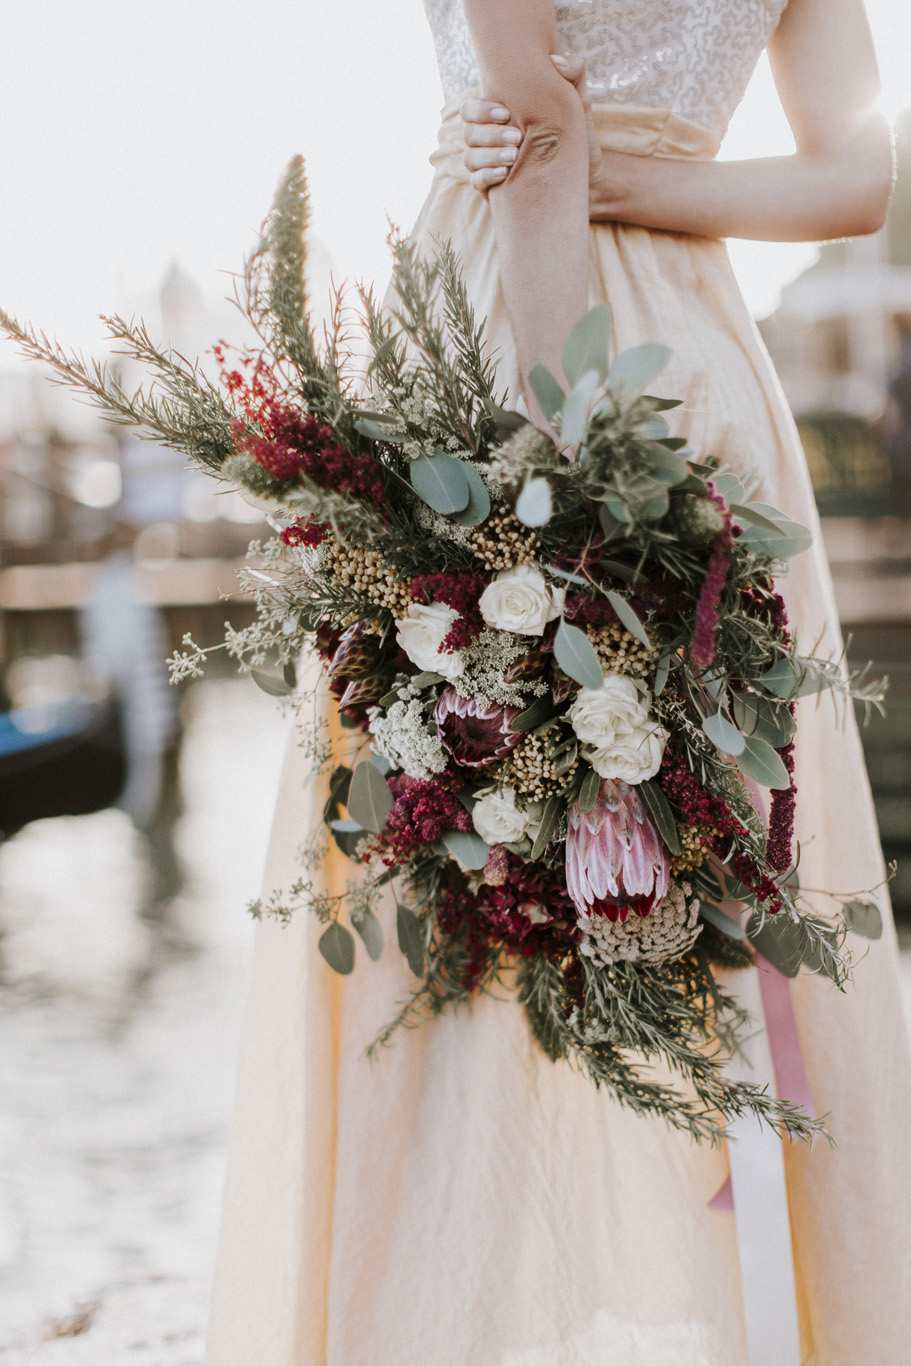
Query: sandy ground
{"type": "Point", "coordinates": [117, 1057]}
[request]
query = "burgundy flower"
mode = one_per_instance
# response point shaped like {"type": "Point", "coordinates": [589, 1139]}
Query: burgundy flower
{"type": "Point", "coordinates": [615, 861]}
{"type": "Point", "coordinates": [473, 732]}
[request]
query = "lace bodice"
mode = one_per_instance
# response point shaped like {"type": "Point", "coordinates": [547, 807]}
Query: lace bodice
{"type": "Point", "coordinates": [693, 57]}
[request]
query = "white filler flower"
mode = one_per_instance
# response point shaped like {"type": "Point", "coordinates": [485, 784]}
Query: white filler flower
{"type": "Point", "coordinates": [521, 600]}
{"type": "Point", "coordinates": [498, 820]}
{"type": "Point", "coordinates": [619, 738]}
{"type": "Point", "coordinates": [422, 632]}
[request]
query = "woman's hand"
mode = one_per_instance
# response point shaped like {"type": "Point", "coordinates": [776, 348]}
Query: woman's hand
{"type": "Point", "coordinates": [492, 143]}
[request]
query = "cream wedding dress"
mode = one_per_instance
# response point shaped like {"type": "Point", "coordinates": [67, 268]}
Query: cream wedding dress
{"type": "Point", "coordinates": [463, 1201]}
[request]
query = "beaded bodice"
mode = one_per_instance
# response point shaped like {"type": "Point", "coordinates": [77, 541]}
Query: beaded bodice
{"type": "Point", "coordinates": [693, 57]}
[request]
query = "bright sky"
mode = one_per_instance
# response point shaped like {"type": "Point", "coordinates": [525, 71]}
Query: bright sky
{"type": "Point", "coordinates": [133, 134]}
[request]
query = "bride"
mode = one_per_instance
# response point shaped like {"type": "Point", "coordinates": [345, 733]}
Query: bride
{"type": "Point", "coordinates": [461, 1201]}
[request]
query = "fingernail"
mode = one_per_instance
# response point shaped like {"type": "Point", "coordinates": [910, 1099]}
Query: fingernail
{"type": "Point", "coordinates": [512, 135]}
{"type": "Point", "coordinates": [508, 154]}
{"type": "Point", "coordinates": [558, 60]}
{"type": "Point", "coordinates": [499, 173]}
{"type": "Point", "coordinates": [499, 113]}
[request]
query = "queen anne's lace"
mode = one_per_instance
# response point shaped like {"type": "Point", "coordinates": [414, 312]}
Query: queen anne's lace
{"type": "Point", "coordinates": [693, 57]}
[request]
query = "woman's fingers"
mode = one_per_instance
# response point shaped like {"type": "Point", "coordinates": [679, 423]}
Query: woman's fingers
{"type": "Point", "coordinates": [483, 111]}
{"type": "Point", "coordinates": [489, 177]}
{"type": "Point", "coordinates": [490, 135]}
{"type": "Point", "coordinates": [484, 158]}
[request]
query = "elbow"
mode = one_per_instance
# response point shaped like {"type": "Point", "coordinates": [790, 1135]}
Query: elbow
{"type": "Point", "coordinates": [867, 176]}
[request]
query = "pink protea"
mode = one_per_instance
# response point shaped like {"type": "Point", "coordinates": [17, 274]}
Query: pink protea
{"type": "Point", "coordinates": [615, 861]}
{"type": "Point", "coordinates": [474, 733]}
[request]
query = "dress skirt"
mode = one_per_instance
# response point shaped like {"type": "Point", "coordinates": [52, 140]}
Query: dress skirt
{"type": "Point", "coordinates": [462, 1201]}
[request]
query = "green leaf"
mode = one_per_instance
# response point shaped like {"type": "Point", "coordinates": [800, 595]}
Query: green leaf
{"type": "Point", "coordinates": [369, 798]}
{"type": "Point", "coordinates": [761, 716]}
{"type": "Point", "coordinates": [662, 405]}
{"type": "Point", "coordinates": [289, 674]}
{"type": "Point", "coordinates": [411, 938]}
{"type": "Point", "coordinates": [574, 417]}
{"type": "Point", "coordinates": [586, 346]}
{"type": "Point", "coordinates": [441, 481]}
{"type": "Point", "coordinates": [336, 944]}
{"type": "Point", "coordinates": [634, 369]}
{"type": "Point", "coordinates": [610, 524]}
{"type": "Point", "coordinates": [743, 513]}
{"type": "Point", "coordinates": [542, 709]}
{"type": "Point", "coordinates": [628, 617]}
{"type": "Point", "coordinates": [478, 498]}
{"type": "Point", "coordinates": [507, 421]}
{"type": "Point", "coordinates": [576, 656]}
{"type": "Point", "coordinates": [425, 679]}
{"type": "Point", "coordinates": [666, 466]}
{"type": "Point", "coordinates": [758, 761]}
{"type": "Point", "coordinates": [729, 486]}
{"type": "Point", "coordinates": [797, 676]}
{"type": "Point", "coordinates": [553, 809]}
{"type": "Point", "coordinates": [786, 539]}
{"type": "Point", "coordinates": [534, 505]}
{"type": "Point", "coordinates": [377, 431]}
{"type": "Point", "coordinates": [722, 922]}
{"type": "Point", "coordinates": [588, 793]}
{"type": "Point", "coordinates": [780, 940]}
{"type": "Point", "coordinates": [547, 391]}
{"type": "Point", "coordinates": [656, 507]}
{"type": "Point", "coordinates": [270, 683]}
{"type": "Point", "coordinates": [565, 574]}
{"type": "Point", "coordinates": [339, 783]}
{"type": "Point", "coordinates": [864, 918]}
{"type": "Point", "coordinates": [467, 847]}
{"type": "Point", "coordinates": [661, 673]}
{"type": "Point", "coordinates": [371, 932]}
{"type": "Point", "coordinates": [723, 734]}
{"type": "Point", "coordinates": [661, 813]}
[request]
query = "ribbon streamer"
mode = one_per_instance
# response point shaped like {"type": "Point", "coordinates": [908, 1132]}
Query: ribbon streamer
{"type": "Point", "coordinates": [757, 1180]}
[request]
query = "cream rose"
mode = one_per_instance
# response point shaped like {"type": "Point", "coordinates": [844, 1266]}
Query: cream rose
{"type": "Point", "coordinates": [421, 634]}
{"type": "Point", "coordinates": [619, 738]}
{"type": "Point", "coordinates": [498, 820]}
{"type": "Point", "coordinates": [521, 600]}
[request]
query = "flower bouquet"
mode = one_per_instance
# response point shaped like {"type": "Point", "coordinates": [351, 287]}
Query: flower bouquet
{"type": "Point", "coordinates": [567, 657]}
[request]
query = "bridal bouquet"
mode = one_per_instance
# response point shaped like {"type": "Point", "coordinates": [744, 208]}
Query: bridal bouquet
{"type": "Point", "coordinates": [570, 665]}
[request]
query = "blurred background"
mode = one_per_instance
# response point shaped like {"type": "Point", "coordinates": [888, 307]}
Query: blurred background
{"type": "Point", "coordinates": [139, 153]}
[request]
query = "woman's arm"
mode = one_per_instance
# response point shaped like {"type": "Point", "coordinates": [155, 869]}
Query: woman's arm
{"type": "Point", "coordinates": [837, 183]}
{"type": "Point", "coordinates": [540, 213]}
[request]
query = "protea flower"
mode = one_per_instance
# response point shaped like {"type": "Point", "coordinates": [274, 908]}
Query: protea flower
{"type": "Point", "coordinates": [473, 732]}
{"type": "Point", "coordinates": [356, 653]}
{"type": "Point", "coordinates": [615, 861]}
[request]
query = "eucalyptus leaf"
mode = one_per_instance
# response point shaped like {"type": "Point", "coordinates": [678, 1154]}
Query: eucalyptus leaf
{"type": "Point", "coordinates": [440, 480]}
{"type": "Point", "coordinates": [724, 735]}
{"type": "Point", "coordinates": [761, 716]}
{"type": "Point", "coordinates": [574, 417]}
{"type": "Point", "coordinates": [507, 421]}
{"type": "Point", "coordinates": [661, 674]}
{"type": "Point", "coordinates": [662, 405]}
{"type": "Point", "coordinates": [779, 940]}
{"type": "Point", "coordinates": [542, 709]}
{"type": "Point", "coordinates": [797, 676]}
{"type": "Point", "coordinates": [379, 431]}
{"type": "Point", "coordinates": [588, 792]}
{"type": "Point", "coordinates": [661, 813]}
{"type": "Point", "coordinates": [666, 465]}
{"type": "Point", "coordinates": [467, 847]}
{"type": "Point", "coordinates": [565, 574]}
{"type": "Point", "coordinates": [610, 524]}
{"type": "Point", "coordinates": [553, 810]}
{"type": "Point", "coordinates": [272, 684]}
{"type": "Point", "coordinates": [534, 505]}
{"type": "Point", "coordinates": [634, 369]}
{"type": "Point", "coordinates": [426, 679]}
{"type": "Point", "coordinates": [478, 509]}
{"type": "Point", "coordinates": [369, 798]}
{"type": "Point", "coordinates": [411, 938]}
{"type": "Point", "coordinates": [547, 390]}
{"type": "Point", "coordinates": [370, 931]}
{"type": "Point", "coordinates": [336, 944]}
{"type": "Point", "coordinates": [721, 921]}
{"type": "Point", "coordinates": [758, 761]}
{"type": "Point", "coordinates": [576, 656]}
{"type": "Point", "coordinates": [864, 918]}
{"type": "Point", "coordinates": [744, 513]}
{"type": "Point", "coordinates": [656, 507]}
{"type": "Point", "coordinates": [616, 506]}
{"type": "Point", "coordinates": [628, 617]}
{"type": "Point", "coordinates": [729, 486]}
{"type": "Point", "coordinates": [586, 346]}
{"type": "Point", "coordinates": [289, 674]}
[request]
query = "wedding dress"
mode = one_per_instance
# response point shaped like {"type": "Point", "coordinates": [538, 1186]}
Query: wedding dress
{"type": "Point", "coordinates": [462, 1201]}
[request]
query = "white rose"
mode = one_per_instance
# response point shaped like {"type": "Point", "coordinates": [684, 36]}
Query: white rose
{"type": "Point", "coordinates": [421, 634]}
{"type": "Point", "coordinates": [498, 820]}
{"type": "Point", "coordinates": [620, 739]}
{"type": "Point", "coordinates": [521, 600]}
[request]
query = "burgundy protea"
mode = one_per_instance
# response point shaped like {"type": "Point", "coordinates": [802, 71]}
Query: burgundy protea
{"type": "Point", "coordinates": [615, 861]}
{"type": "Point", "coordinates": [475, 733]}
